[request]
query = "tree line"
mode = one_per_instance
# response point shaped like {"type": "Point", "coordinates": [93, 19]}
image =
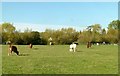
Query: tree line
{"type": "Point", "coordinates": [93, 33]}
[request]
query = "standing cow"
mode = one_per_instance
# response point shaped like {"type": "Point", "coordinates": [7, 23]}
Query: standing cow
{"type": "Point", "coordinates": [30, 46]}
{"type": "Point", "coordinates": [12, 49]}
{"type": "Point", "coordinates": [72, 47]}
{"type": "Point", "coordinates": [50, 41]}
{"type": "Point", "coordinates": [89, 44]}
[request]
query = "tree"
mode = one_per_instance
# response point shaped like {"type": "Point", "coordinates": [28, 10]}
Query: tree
{"type": "Point", "coordinates": [8, 27]}
{"type": "Point", "coordinates": [115, 24]}
{"type": "Point", "coordinates": [103, 35]}
{"type": "Point", "coordinates": [35, 38]}
{"type": "Point", "coordinates": [18, 38]}
{"type": "Point", "coordinates": [112, 35]}
{"type": "Point", "coordinates": [113, 29]}
{"type": "Point", "coordinates": [8, 32]}
{"type": "Point", "coordinates": [0, 34]}
{"type": "Point", "coordinates": [93, 32]}
{"type": "Point", "coordinates": [96, 28]}
{"type": "Point", "coordinates": [84, 37]}
{"type": "Point", "coordinates": [68, 35]}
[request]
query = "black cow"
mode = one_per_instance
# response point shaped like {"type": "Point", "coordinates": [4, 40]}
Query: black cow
{"type": "Point", "coordinates": [13, 49]}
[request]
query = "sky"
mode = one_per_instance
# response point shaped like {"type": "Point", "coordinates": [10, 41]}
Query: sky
{"type": "Point", "coordinates": [55, 15]}
{"type": "Point", "coordinates": [60, 0]}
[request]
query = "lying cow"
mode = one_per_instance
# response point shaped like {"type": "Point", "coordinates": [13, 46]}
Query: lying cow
{"type": "Point", "coordinates": [12, 49]}
{"type": "Point", "coordinates": [72, 47]}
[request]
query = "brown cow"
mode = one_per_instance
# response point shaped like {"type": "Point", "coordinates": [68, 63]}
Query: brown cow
{"type": "Point", "coordinates": [30, 46]}
{"type": "Point", "coordinates": [12, 49]}
{"type": "Point", "coordinates": [89, 44]}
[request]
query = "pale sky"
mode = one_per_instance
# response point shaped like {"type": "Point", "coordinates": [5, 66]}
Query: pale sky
{"type": "Point", "coordinates": [55, 15]}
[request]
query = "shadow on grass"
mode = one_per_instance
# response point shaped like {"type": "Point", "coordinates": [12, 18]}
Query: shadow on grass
{"type": "Point", "coordinates": [79, 51]}
{"type": "Point", "coordinates": [23, 54]}
{"type": "Point", "coordinates": [35, 48]}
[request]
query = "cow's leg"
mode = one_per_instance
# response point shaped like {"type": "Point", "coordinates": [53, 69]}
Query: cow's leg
{"type": "Point", "coordinates": [74, 49]}
{"type": "Point", "coordinates": [70, 50]}
{"type": "Point", "coordinates": [17, 52]}
{"type": "Point", "coordinates": [50, 43]}
{"type": "Point", "coordinates": [9, 51]}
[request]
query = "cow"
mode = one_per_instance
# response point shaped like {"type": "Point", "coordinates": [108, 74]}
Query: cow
{"type": "Point", "coordinates": [30, 46]}
{"type": "Point", "coordinates": [12, 49]}
{"type": "Point", "coordinates": [72, 47]}
{"type": "Point", "coordinates": [89, 44]}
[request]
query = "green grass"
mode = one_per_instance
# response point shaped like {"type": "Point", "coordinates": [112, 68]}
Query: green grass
{"type": "Point", "coordinates": [56, 59]}
{"type": "Point", "coordinates": [0, 59]}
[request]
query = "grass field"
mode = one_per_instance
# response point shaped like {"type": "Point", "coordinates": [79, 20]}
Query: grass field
{"type": "Point", "coordinates": [56, 59]}
{"type": "Point", "coordinates": [0, 59]}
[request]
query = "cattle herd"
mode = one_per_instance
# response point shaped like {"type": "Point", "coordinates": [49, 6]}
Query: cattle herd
{"type": "Point", "coordinates": [14, 49]}
{"type": "Point", "coordinates": [72, 47]}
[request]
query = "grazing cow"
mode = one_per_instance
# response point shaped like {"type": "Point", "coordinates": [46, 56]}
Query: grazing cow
{"type": "Point", "coordinates": [72, 47]}
{"type": "Point", "coordinates": [50, 43]}
{"type": "Point", "coordinates": [12, 49]}
{"type": "Point", "coordinates": [50, 40]}
{"type": "Point", "coordinates": [97, 43]}
{"type": "Point", "coordinates": [30, 46]}
{"type": "Point", "coordinates": [89, 44]}
{"type": "Point", "coordinates": [104, 43]}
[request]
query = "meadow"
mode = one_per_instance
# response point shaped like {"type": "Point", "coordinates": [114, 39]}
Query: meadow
{"type": "Point", "coordinates": [56, 59]}
{"type": "Point", "coordinates": [0, 59]}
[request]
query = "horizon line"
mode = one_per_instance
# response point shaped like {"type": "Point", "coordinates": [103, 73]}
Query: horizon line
{"type": "Point", "coordinates": [42, 27]}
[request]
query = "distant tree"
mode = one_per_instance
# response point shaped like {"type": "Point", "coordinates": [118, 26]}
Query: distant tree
{"type": "Point", "coordinates": [8, 31]}
{"type": "Point", "coordinates": [96, 28]}
{"type": "Point", "coordinates": [0, 33]}
{"type": "Point", "coordinates": [112, 35]}
{"type": "Point", "coordinates": [46, 35]}
{"type": "Point", "coordinates": [113, 29]}
{"type": "Point", "coordinates": [26, 37]}
{"type": "Point", "coordinates": [103, 35]}
{"type": "Point", "coordinates": [68, 36]}
{"type": "Point", "coordinates": [115, 24]}
{"type": "Point", "coordinates": [61, 36]}
{"type": "Point", "coordinates": [93, 33]}
{"type": "Point", "coordinates": [104, 31]}
{"type": "Point", "coordinates": [84, 37]}
{"type": "Point", "coordinates": [18, 38]}
{"type": "Point", "coordinates": [0, 28]}
{"type": "Point", "coordinates": [8, 27]}
{"type": "Point", "coordinates": [35, 38]}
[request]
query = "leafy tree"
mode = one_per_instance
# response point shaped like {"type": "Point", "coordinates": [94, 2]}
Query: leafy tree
{"type": "Point", "coordinates": [112, 35]}
{"type": "Point", "coordinates": [0, 34]}
{"type": "Point", "coordinates": [7, 32]}
{"type": "Point", "coordinates": [93, 33]}
{"type": "Point", "coordinates": [96, 28]}
{"type": "Point", "coordinates": [8, 27]}
{"type": "Point", "coordinates": [114, 24]}
{"type": "Point", "coordinates": [113, 29]}
{"type": "Point", "coordinates": [61, 36]}
{"type": "Point", "coordinates": [18, 38]}
{"type": "Point", "coordinates": [35, 38]}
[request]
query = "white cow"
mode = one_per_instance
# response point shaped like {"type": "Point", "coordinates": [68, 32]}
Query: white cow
{"type": "Point", "coordinates": [97, 43]}
{"type": "Point", "coordinates": [72, 47]}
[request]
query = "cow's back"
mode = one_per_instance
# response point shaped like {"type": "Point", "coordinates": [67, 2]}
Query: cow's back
{"type": "Point", "coordinates": [14, 48]}
{"type": "Point", "coordinates": [71, 46]}
{"type": "Point", "coordinates": [74, 45]}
